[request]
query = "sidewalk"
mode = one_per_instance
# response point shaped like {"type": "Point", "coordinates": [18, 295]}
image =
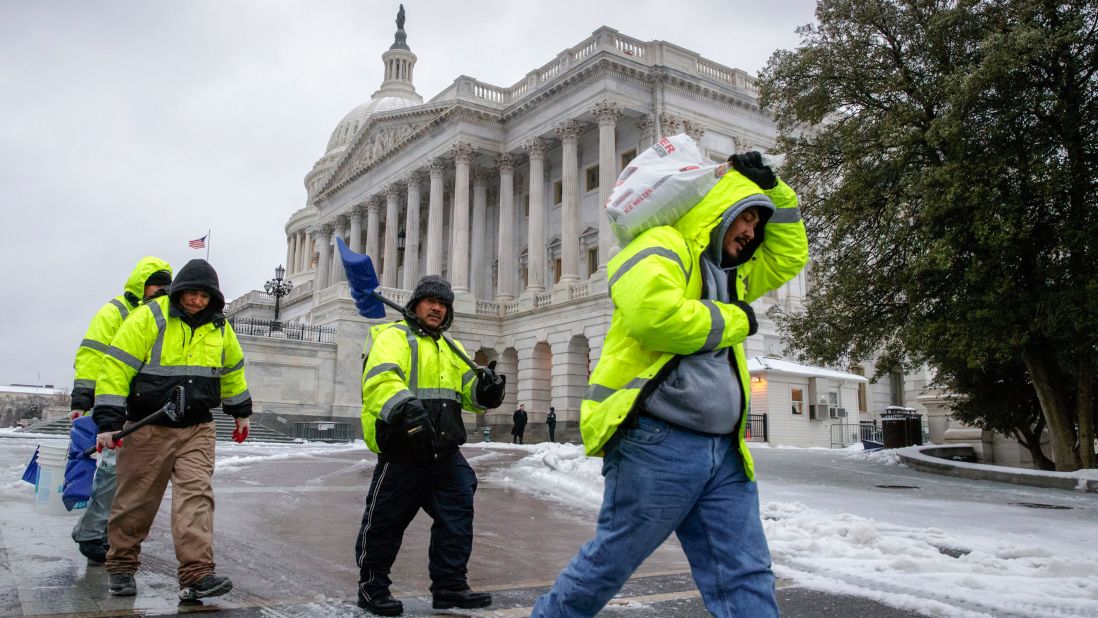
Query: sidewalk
{"type": "Point", "coordinates": [285, 529]}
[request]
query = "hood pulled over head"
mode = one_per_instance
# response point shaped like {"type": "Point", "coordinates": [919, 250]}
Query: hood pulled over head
{"type": "Point", "coordinates": [706, 223]}
{"type": "Point", "coordinates": [198, 275]}
{"type": "Point", "coordinates": [147, 267]}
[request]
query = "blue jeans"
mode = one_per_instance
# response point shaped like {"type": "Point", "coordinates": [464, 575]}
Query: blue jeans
{"type": "Point", "coordinates": [92, 525]}
{"type": "Point", "coordinates": [661, 479]}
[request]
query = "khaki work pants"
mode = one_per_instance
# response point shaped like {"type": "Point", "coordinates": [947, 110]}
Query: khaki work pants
{"type": "Point", "coordinates": [148, 459]}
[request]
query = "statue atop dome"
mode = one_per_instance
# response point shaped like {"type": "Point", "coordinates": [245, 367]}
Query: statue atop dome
{"type": "Point", "coordinates": [401, 39]}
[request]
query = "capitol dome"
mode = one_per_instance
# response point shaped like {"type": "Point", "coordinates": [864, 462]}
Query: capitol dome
{"type": "Point", "coordinates": [397, 91]}
{"type": "Point", "coordinates": [348, 127]}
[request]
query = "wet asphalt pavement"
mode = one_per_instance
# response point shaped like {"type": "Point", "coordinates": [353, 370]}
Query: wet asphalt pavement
{"type": "Point", "coordinates": [285, 530]}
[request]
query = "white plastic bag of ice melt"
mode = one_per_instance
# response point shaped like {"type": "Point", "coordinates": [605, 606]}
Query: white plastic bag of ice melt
{"type": "Point", "coordinates": [659, 186]}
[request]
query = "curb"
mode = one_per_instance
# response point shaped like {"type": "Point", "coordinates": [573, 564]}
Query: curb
{"type": "Point", "coordinates": [937, 459]}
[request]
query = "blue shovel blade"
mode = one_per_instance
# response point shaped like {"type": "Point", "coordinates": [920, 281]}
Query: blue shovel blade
{"type": "Point", "coordinates": [362, 279]}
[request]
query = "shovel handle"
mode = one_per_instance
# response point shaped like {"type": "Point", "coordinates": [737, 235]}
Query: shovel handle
{"type": "Point", "coordinates": [167, 410]}
{"type": "Point", "coordinates": [404, 312]}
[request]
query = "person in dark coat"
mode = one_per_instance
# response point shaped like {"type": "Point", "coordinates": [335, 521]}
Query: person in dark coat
{"type": "Point", "coordinates": [551, 423]}
{"type": "Point", "coordinates": [519, 419]}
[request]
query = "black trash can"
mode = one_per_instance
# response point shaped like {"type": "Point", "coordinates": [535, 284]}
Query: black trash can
{"type": "Point", "coordinates": [901, 427]}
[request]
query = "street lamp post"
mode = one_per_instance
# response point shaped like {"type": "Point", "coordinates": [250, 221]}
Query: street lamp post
{"type": "Point", "coordinates": [278, 288]}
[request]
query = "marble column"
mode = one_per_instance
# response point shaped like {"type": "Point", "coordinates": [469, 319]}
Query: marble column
{"type": "Point", "coordinates": [647, 127]}
{"type": "Point", "coordinates": [373, 233]}
{"type": "Point", "coordinates": [459, 221]}
{"type": "Point", "coordinates": [568, 132]}
{"type": "Point", "coordinates": [694, 129]}
{"type": "Point", "coordinates": [434, 219]}
{"type": "Point", "coordinates": [358, 211]}
{"type": "Point", "coordinates": [607, 114]}
{"type": "Point", "coordinates": [535, 250]}
{"type": "Point", "coordinates": [322, 235]}
{"type": "Point", "coordinates": [289, 252]}
{"type": "Point", "coordinates": [301, 264]}
{"type": "Point", "coordinates": [342, 224]}
{"type": "Point", "coordinates": [480, 279]}
{"type": "Point", "coordinates": [299, 250]}
{"type": "Point", "coordinates": [411, 231]}
{"type": "Point", "coordinates": [392, 227]}
{"type": "Point", "coordinates": [302, 242]}
{"type": "Point", "coordinates": [505, 249]}
{"type": "Point", "coordinates": [669, 125]}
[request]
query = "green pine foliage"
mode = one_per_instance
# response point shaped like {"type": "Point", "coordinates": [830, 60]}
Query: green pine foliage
{"type": "Point", "coordinates": [946, 156]}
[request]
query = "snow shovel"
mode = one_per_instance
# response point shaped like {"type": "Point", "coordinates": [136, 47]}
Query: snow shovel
{"type": "Point", "coordinates": [173, 410]}
{"type": "Point", "coordinates": [362, 279]}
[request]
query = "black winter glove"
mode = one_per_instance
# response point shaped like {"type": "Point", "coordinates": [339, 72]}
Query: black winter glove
{"type": "Point", "coordinates": [410, 418]}
{"type": "Point", "coordinates": [490, 386]}
{"type": "Point", "coordinates": [753, 325]}
{"type": "Point", "coordinates": [750, 165]}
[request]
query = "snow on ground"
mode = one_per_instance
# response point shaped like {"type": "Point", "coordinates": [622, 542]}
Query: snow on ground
{"type": "Point", "coordinates": [962, 574]}
{"type": "Point", "coordinates": [971, 567]}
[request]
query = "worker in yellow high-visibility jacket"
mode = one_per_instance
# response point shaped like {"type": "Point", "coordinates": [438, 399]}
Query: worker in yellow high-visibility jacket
{"type": "Point", "coordinates": [667, 403]}
{"type": "Point", "coordinates": [149, 279]}
{"type": "Point", "coordinates": [183, 340]}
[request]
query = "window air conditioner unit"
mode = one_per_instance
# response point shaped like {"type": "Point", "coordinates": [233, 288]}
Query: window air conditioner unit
{"type": "Point", "coordinates": [841, 412]}
{"type": "Point", "coordinates": [818, 411]}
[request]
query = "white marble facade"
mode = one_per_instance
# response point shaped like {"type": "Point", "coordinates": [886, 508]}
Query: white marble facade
{"type": "Point", "coordinates": [499, 189]}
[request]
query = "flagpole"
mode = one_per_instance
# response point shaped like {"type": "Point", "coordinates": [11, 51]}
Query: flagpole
{"type": "Point", "coordinates": [208, 244]}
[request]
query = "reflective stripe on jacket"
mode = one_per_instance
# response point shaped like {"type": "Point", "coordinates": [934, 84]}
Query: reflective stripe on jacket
{"type": "Point", "coordinates": [104, 325]}
{"type": "Point", "coordinates": [656, 286]}
{"type": "Point", "coordinates": [401, 365]}
{"type": "Point", "coordinates": [154, 351]}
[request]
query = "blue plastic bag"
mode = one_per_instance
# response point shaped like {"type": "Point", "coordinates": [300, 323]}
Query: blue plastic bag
{"type": "Point", "coordinates": [30, 475]}
{"type": "Point", "coordinates": [79, 470]}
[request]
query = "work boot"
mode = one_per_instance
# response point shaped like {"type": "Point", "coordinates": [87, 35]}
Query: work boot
{"type": "Point", "coordinates": [382, 604]}
{"type": "Point", "coordinates": [209, 586]}
{"type": "Point", "coordinates": [461, 599]}
{"type": "Point", "coordinates": [95, 551]}
{"type": "Point", "coordinates": [122, 585]}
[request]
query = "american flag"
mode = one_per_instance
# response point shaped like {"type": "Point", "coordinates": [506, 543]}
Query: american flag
{"type": "Point", "coordinates": [199, 243]}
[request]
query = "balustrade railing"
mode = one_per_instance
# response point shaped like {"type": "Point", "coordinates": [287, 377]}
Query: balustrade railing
{"type": "Point", "coordinates": [253, 327]}
{"type": "Point", "coordinates": [580, 290]}
{"type": "Point", "coordinates": [487, 307]}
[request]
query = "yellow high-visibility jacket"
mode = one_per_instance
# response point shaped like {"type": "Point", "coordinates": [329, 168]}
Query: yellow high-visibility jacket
{"type": "Point", "coordinates": [656, 285]}
{"type": "Point", "coordinates": [153, 352]}
{"type": "Point", "coordinates": [402, 365]}
{"type": "Point", "coordinates": [104, 325]}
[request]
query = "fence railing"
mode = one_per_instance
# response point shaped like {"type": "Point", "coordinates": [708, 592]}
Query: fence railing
{"type": "Point", "coordinates": [274, 422]}
{"type": "Point", "coordinates": [255, 327]}
{"type": "Point", "coordinates": [325, 431]}
{"type": "Point", "coordinates": [317, 431]}
{"type": "Point", "coordinates": [757, 428]}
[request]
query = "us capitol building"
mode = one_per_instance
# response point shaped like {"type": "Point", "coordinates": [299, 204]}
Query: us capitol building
{"type": "Point", "coordinates": [500, 190]}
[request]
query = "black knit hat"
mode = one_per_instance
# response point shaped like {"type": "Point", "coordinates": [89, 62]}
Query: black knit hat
{"type": "Point", "coordinates": [160, 277]}
{"type": "Point", "coordinates": [433, 286]}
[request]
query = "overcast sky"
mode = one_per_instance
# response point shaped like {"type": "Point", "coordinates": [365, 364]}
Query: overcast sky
{"type": "Point", "coordinates": [128, 128]}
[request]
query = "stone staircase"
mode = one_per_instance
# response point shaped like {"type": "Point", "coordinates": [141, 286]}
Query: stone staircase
{"type": "Point", "coordinates": [223, 423]}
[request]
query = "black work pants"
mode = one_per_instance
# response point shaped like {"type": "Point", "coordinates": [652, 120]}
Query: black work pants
{"type": "Point", "coordinates": [443, 488]}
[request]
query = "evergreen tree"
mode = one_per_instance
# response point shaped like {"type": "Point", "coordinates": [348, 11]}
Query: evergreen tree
{"type": "Point", "coordinates": [945, 156]}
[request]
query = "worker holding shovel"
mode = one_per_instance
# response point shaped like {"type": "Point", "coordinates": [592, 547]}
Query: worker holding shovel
{"type": "Point", "coordinates": [415, 383]}
{"type": "Point", "coordinates": [178, 340]}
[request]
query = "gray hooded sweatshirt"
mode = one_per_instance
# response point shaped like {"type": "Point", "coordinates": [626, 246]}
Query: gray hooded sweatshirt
{"type": "Point", "coordinates": [702, 392]}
